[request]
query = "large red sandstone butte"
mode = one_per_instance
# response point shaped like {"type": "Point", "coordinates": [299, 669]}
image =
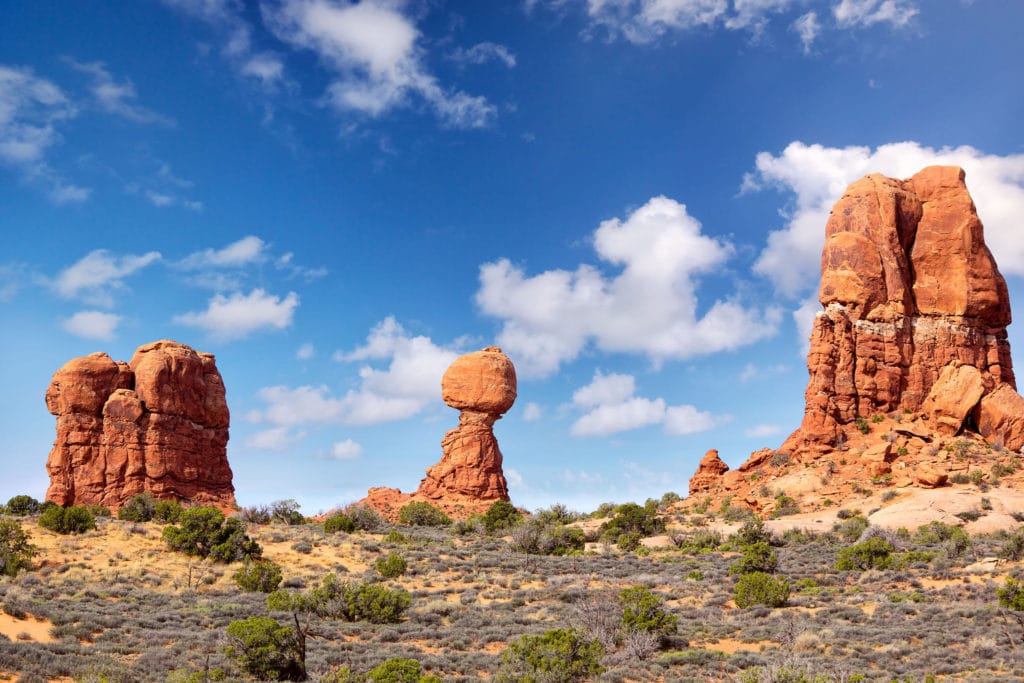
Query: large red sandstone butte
{"type": "Point", "coordinates": [158, 423]}
{"type": "Point", "coordinates": [912, 337]}
{"type": "Point", "coordinates": [469, 478]}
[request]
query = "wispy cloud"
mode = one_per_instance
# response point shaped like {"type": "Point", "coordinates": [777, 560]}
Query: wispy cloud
{"type": "Point", "coordinates": [113, 97]}
{"type": "Point", "coordinates": [96, 276]}
{"type": "Point", "coordinates": [482, 53]}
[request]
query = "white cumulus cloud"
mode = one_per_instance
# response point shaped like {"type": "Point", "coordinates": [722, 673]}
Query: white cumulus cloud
{"type": "Point", "coordinates": [611, 406]}
{"type": "Point", "coordinates": [897, 13]}
{"type": "Point", "coordinates": [98, 274]}
{"type": "Point", "coordinates": [649, 306]}
{"type": "Point", "coordinates": [372, 50]}
{"type": "Point", "coordinates": [275, 439]}
{"type": "Point", "coordinates": [93, 325]}
{"type": "Point", "coordinates": [238, 315]}
{"type": "Point", "coordinates": [248, 250]}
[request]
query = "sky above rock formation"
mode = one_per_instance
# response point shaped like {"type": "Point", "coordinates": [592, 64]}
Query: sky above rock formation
{"type": "Point", "coordinates": [337, 199]}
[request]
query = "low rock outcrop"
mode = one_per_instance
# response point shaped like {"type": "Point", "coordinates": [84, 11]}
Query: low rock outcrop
{"type": "Point", "coordinates": [158, 423]}
{"type": "Point", "coordinates": [469, 477]}
{"type": "Point", "coordinates": [909, 362]}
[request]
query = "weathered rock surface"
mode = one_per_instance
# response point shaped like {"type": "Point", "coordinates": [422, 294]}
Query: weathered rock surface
{"type": "Point", "coordinates": [909, 363]}
{"type": "Point", "coordinates": [708, 473]}
{"type": "Point", "coordinates": [908, 287]}
{"type": "Point", "coordinates": [469, 476]}
{"type": "Point", "coordinates": [158, 423]}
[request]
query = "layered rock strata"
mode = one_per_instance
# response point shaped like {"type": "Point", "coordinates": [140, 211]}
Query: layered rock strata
{"type": "Point", "coordinates": [158, 423]}
{"type": "Point", "coordinates": [469, 477]}
{"type": "Point", "coordinates": [912, 297]}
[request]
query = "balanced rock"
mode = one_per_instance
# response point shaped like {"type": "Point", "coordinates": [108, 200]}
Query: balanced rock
{"type": "Point", "coordinates": [908, 288]}
{"type": "Point", "coordinates": [469, 476]}
{"type": "Point", "coordinates": [157, 424]}
{"type": "Point", "coordinates": [709, 472]}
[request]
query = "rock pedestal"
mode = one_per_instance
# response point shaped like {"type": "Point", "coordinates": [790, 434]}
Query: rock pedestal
{"type": "Point", "coordinates": [158, 423]}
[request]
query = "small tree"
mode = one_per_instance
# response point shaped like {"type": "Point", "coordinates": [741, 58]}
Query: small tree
{"type": "Point", "coordinates": [392, 566]}
{"type": "Point", "coordinates": [22, 505]}
{"type": "Point", "coordinates": [558, 655]}
{"type": "Point", "coordinates": [203, 532]}
{"type": "Point", "coordinates": [262, 576]}
{"type": "Point", "coordinates": [642, 610]}
{"type": "Point", "coordinates": [631, 518]}
{"type": "Point", "coordinates": [167, 511]}
{"type": "Point", "coordinates": [286, 512]}
{"type": "Point", "coordinates": [759, 588]}
{"type": "Point", "coordinates": [874, 553]}
{"type": "Point", "coordinates": [339, 521]}
{"type": "Point", "coordinates": [423, 514]}
{"type": "Point", "coordinates": [757, 557]}
{"type": "Point", "coordinates": [15, 550]}
{"type": "Point", "coordinates": [74, 519]}
{"type": "Point", "coordinates": [140, 508]}
{"type": "Point", "coordinates": [265, 649]}
{"type": "Point", "coordinates": [502, 515]}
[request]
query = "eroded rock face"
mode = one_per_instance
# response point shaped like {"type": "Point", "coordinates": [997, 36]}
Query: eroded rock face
{"type": "Point", "coordinates": [158, 423]}
{"type": "Point", "coordinates": [708, 473]}
{"type": "Point", "coordinates": [908, 288]}
{"type": "Point", "coordinates": [469, 477]}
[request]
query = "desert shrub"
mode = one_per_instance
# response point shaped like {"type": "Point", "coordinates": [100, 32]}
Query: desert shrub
{"type": "Point", "coordinates": [16, 552]}
{"type": "Point", "coordinates": [556, 514]}
{"type": "Point", "coordinates": [756, 557]}
{"type": "Point", "coordinates": [264, 649]}
{"type": "Point", "coordinates": [203, 532]}
{"type": "Point", "coordinates": [862, 425]}
{"type": "Point", "coordinates": [339, 521]}
{"type": "Point", "coordinates": [255, 514]}
{"type": "Point", "coordinates": [348, 601]}
{"type": "Point", "coordinates": [759, 588]}
{"type": "Point", "coordinates": [167, 511]}
{"type": "Point", "coordinates": [668, 498]}
{"type": "Point", "coordinates": [1011, 594]}
{"type": "Point", "coordinates": [874, 553]}
{"type": "Point", "coordinates": [73, 519]}
{"type": "Point", "coordinates": [851, 528]}
{"type": "Point", "coordinates": [396, 537]}
{"type": "Point", "coordinates": [22, 505]}
{"type": "Point", "coordinates": [642, 610]}
{"type": "Point", "coordinates": [365, 517]}
{"type": "Point", "coordinates": [398, 670]}
{"type": "Point", "coordinates": [559, 655]}
{"type": "Point", "coordinates": [631, 518]}
{"type": "Point", "coordinates": [260, 576]}
{"type": "Point", "coordinates": [286, 512]}
{"type": "Point", "coordinates": [139, 508]}
{"type": "Point", "coordinates": [701, 542]}
{"type": "Point", "coordinates": [1013, 549]}
{"type": "Point", "coordinates": [629, 541]}
{"type": "Point", "coordinates": [785, 505]}
{"type": "Point", "coordinates": [422, 514]}
{"type": "Point", "coordinates": [751, 532]}
{"type": "Point", "coordinates": [391, 566]}
{"type": "Point", "coordinates": [500, 516]}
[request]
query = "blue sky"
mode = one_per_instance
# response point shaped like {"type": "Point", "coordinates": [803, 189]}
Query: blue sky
{"type": "Point", "coordinates": [338, 198]}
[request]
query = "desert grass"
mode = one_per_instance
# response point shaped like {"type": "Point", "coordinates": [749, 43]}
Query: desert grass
{"type": "Point", "coordinates": [116, 605]}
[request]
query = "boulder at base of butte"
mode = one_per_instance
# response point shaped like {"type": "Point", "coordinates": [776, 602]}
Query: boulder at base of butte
{"type": "Point", "coordinates": [468, 479]}
{"type": "Point", "coordinates": [156, 424]}
{"type": "Point", "coordinates": [909, 362]}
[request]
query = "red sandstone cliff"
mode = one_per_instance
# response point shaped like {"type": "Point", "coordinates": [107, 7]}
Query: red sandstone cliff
{"type": "Point", "coordinates": [158, 423]}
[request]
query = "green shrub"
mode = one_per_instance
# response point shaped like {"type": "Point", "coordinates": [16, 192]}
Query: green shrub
{"type": "Point", "coordinates": [631, 518]}
{"type": "Point", "coordinates": [339, 521]}
{"type": "Point", "coordinates": [261, 576]}
{"type": "Point", "coordinates": [167, 511]}
{"type": "Point", "coordinates": [758, 588]}
{"type": "Point", "coordinates": [392, 566]}
{"type": "Point", "coordinates": [1013, 549]}
{"type": "Point", "coordinates": [139, 508]}
{"type": "Point", "coordinates": [373, 603]}
{"type": "Point", "coordinates": [500, 516]}
{"type": "Point", "coordinates": [757, 557]}
{"type": "Point", "coordinates": [203, 532]}
{"type": "Point", "coordinates": [365, 517]}
{"type": "Point", "coordinates": [874, 553]}
{"type": "Point", "coordinates": [396, 537]}
{"type": "Point", "coordinates": [398, 670]}
{"type": "Point", "coordinates": [558, 655]}
{"type": "Point", "coordinates": [751, 532]}
{"type": "Point", "coordinates": [16, 552]}
{"type": "Point", "coordinates": [629, 541]}
{"type": "Point", "coordinates": [265, 650]}
{"type": "Point", "coordinates": [701, 542]}
{"type": "Point", "coordinates": [851, 528]}
{"type": "Point", "coordinates": [1011, 594]}
{"type": "Point", "coordinates": [862, 425]}
{"type": "Point", "coordinates": [286, 512]}
{"type": "Point", "coordinates": [74, 519]}
{"type": "Point", "coordinates": [422, 514]}
{"type": "Point", "coordinates": [642, 610]}
{"type": "Point", "coordinates": [22, 505]}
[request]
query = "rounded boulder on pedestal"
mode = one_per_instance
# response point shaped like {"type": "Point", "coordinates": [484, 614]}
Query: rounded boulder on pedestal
{"type": "Point", "coordinates": [482, 381]}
